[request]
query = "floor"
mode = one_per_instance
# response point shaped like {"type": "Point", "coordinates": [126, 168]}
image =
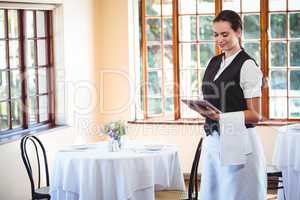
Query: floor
{"type": "Point", "coordinates": [177, 195]}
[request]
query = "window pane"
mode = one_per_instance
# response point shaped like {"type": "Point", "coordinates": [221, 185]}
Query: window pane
{"type": "Point", "coordinates": [231, 5]}
{"type": "Point", "coordinates": [167, 7]}
{"type": "Point", "coordinates": [187, 28]}
{"type": "Point", "coordinates": [29, 24]}
{"type": "Point", "coordinates": [169, 89]}
{"type": "Point", "coordinates": [168, 29]}
{"type": "Point", "coordinates": [14, 58]}
{"type": "Point", "coordinates": [169, 82]}
{"type": "Point", "coordinates": [154, 56]}
{"type": "Point", "coordinates": [3, 85]}
{"type": "Point", "coordinates": [40, 23]}
{"type": "Point", "coordinates": [187, 6]}
{"type": "Point", "coordinates": [188, 83]}
{"type": "Point", "coordinates": [253, 49]}
{"type": "Point", "coordinates": [168, 56]}
{"type": "Point", "coordinates": [251, 6]}
{"type": "Point", "coordinates": [207, 51]}
{"type": "Point", "coordinates": [278, 25]}
{"type": "Point", "coordinates": [294, 5]}
{"type": "Point", "coordinates": [188, 55]}
{"type": "Point", "coordinates": [278, 111]}
{"type": "Point", "coordinates": [294, 83]}
{"type": "Point", "coordinates": [41, 52]}
{"type": "Point", "coordinates": [206, 6]}
{"type": "Point", "coordinates": [154, 106]}
{"type": "Point", "coordinates": [295, 25]}
{"type": "Point", "coordinates": [278, 54]}
{"type": "Point", "coordinates": [278, 83]}
{"type": "Point", "coordinates": [30, 53]}
{"type": "Point", "coordinates": [3, 116]}
{"type": "Point", "coordinates": [201, 75]}
{"type": "Point", "coordinates": [152, 7]}
{"type": "Point", "coordinates": [31, 82]}
{"type": "Point", "coordinates": [2, 24]}
{"type": "Point", "coordinates": [139, 106]}
{"type": "Point", "coordinates": [13, 28]}
{"type": "Point", "coordinates": [153, 30]}
{"type": "Point", "coordinates": [251, 27]}
{"type": "Point", "coordinates": [16, 112]}
{"type": "Point", "coordinates": [15, 79]}
{"type": "Point", "coordinates": [43, 111]}
{"type": "Point", "coordinates": [42, 74]}
{"type": "Point", "coordinates": [32, 110]}
{"type": "Point", "coordinates": [169, 105]}
{"type": "Point", "coordinates": [295, 54]}
{"type": "Point", "coordinates": [2, 55]}
{"type": "Point", "coordinates": [276, 5]}
{"type": "Point", "coordinates": [294, 107]}
{"type": "Point", "coordinates": [205, 27]}
{"type": "Point", "coordinates": [154, 83]}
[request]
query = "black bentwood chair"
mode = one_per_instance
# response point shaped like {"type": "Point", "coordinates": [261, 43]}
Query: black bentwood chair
{"type": "Point", "coordinates": [34, 171]}
{"type": "Point", "coordinates": [193, 182]}
{"type": "Point", "coordinates": [275, 179]}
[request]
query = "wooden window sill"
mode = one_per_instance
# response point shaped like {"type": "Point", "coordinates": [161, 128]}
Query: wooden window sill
{"type": "Point", "coordinates": [13, 135]}
{"type": "Point", "coordinates": [201, 122]}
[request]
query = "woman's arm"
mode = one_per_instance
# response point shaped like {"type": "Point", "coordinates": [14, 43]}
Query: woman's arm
{"type": "Point", "coordinates": [253, 113]}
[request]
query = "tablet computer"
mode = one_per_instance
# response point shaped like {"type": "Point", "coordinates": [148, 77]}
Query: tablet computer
{"type": "Point", "coordinates": [200, 103]}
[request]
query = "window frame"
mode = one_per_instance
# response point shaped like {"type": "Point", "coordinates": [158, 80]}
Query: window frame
{"type": "Point", "coordinates": [22, 68]}
{"type": "Point", "coordinates": [264, 61]}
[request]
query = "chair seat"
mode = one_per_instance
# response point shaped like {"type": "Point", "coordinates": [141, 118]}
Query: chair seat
{"type": "Point", "coordinates": [42, 192]}
{"type": "Point", "coordinates": [273, 171]}
{"type": "Point", "coordinates": [170, 194]}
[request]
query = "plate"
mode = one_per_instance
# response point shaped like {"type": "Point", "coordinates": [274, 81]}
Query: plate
{"type": "Point", "coordinates": [83, 147]}
{"type": "Point", "coordinates": [154, 147]}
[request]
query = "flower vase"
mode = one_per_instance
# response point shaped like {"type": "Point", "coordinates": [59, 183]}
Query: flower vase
{"type": "Point", "coordinates": [114, 145]}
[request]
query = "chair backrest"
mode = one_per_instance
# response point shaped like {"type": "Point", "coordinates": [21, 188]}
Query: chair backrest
{"type": "Point", "coordinates": [38, 149]}
{"type": "Point", "coordinates": [193, 183]}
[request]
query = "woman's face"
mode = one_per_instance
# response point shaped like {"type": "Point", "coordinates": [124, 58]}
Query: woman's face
{"type": "Point", "coordinates": [225, 37]}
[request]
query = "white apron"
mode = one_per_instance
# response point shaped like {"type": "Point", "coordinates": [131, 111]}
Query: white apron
{"type": "Point", "coordinates": [233, 182]}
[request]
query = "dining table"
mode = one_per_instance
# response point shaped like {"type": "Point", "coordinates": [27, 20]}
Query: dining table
{"type": "Point", "coordinates": [286, 158]}
{"type": "Point", "coordinates": [135, 172]}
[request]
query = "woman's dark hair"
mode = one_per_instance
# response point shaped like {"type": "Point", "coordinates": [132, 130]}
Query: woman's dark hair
{"type": "Point", "coordinates": [230, 16]}
{"type": "Point", "coordinates": [233, 18]}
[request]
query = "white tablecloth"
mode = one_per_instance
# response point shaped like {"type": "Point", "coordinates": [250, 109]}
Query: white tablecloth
{"type": "Point", "coordinates": [287, 158]}
{"type": "Point", "coordinates": [93, 173]}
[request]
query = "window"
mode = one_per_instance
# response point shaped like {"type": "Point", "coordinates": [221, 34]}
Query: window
{"type": "Point", "coordinates": [284, 60]}
{"type": "Point", "coordinates": [26, 88]}
{"type": "Point", "coordinates": [177, 42]}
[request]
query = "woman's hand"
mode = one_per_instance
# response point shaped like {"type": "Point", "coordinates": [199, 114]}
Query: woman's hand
{"type": "Point", "coordinates": [212, 114]}
{"type": "Point", "coordinates": [205, 112]}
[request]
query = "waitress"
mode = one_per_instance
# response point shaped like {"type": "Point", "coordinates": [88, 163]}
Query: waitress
{"type": "Point", "coordinates": [232, 83]}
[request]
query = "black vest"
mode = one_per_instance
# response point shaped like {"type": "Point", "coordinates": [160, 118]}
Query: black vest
{"type": "Point", "coordinates": [225, 92]}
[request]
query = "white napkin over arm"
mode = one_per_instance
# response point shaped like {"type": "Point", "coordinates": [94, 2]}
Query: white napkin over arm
{"type": "Point", "coordinates": [234, 139]}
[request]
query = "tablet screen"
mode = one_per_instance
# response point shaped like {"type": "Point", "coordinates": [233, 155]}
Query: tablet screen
{"type": "Point", "coordinates": [200, 103]}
